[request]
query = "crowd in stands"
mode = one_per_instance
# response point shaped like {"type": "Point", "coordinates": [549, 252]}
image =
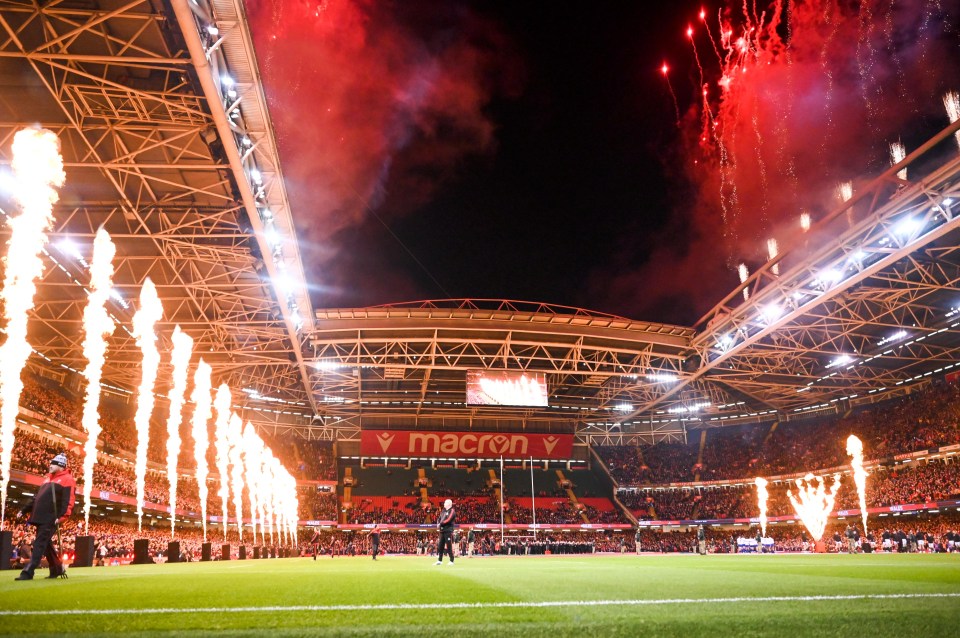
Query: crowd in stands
{"type": "Point", "coordinates": [927, 418]}
{"type": "Point", "coordinates": [38, 396]}
{"type": "Point", "coordinates": [886, 486]}
{"type": "Point", "coordinates": [314, 460]}
{"type": "Point", "coordinates": [316, 505]}
{"type": "Point", "coordinates": [32, 452]}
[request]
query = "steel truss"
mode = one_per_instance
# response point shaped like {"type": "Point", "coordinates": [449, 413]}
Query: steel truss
{"type": "Point", "coordinates": [406, 365]}
{"type": "Point", "coordinates": [863, 306]}
{"type": "Point", "coordinates": [168, 145]}
{"type": "Point", "coordinates": [146, 159]}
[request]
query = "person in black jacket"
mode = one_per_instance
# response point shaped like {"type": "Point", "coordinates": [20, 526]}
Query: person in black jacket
{"type": "Point", "coordinates": [51, 505]}
{"type": "Point", "coordinates": [375, 540]}
{"type": "Point", "coordinates": [315, 543]}
{"type": "Point", "coordinates": [445, 523]}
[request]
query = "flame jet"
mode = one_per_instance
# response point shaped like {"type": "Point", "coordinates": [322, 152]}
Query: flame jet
{"type": "Point", "coordinates": [814, 504]}
{"type": "Point", "coordinates": [762, 496]}
{"type": "Point", "coordinates": [38, 171]}
{"type": "Point", "coordinates": [252, 453]}
{"type": "Point", "coordinates": [855, 450]}
{"type": "Point", "coordinates": [97, 326]}
{"type": "Point", "coordinates": [222, 405]}
{"type": "Point", "coordinates": [201, 438]}
{"type": "Point", "coordinates": [143, 330]}
{"type": "Point", "coordinates": [269, 466]}
{"type": "Point", "coordinates": [235, 437]}
{"type": "Point", "coordinates": [180, 359]}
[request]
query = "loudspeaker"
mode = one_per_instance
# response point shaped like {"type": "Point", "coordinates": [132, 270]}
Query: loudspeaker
{"type": "Point", "coordinates": [173, 552]}
{"type": "Point", "coordinates": [141, 551]}
{"type": "Point", "coordinates": [225, 551]}
{"type": "Point", "coordinates": [243, 552]}
{"type": "Point", "coordinates": [85, 552]}
{"type": "Point", "coordinates": [256, 552]}
{"type": "Point", "coordinates": [6, 548]}
{"type": "Point", "coordinates": [205, 552]}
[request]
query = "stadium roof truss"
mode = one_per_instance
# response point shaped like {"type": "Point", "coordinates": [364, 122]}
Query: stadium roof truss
{"type": "Point", "coordinates": [860, 307]}
{"type": "Point", "coordinates": [864, 304]}
{"type": "Point", "coordinates": [168, 145]}
{"type": "Point", "coordinates": [405, 365]}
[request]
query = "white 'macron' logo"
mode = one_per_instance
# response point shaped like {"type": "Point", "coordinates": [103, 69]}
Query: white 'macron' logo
{"type": "Point", "coordinates": [426, 443]}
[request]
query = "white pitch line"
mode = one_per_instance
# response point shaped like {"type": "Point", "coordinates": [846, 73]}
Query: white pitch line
{"type": "Point", "coordinates": [496, 605]}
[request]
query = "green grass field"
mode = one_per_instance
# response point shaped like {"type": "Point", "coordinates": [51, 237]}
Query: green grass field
{"type": "Point", "coordinates": [857, 596]}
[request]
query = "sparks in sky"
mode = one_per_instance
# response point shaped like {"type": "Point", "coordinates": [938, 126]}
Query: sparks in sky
{"type": "Point", "coordinates": [783, 128]}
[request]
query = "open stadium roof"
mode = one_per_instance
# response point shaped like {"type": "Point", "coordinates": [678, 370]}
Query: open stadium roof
{"type": "Point", "coordinates": [168, 143]}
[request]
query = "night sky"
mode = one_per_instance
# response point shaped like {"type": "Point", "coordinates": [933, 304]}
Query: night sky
{"type": "Point", "coordinates": [531, 151]}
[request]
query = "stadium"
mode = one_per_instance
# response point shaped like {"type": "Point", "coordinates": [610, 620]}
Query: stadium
{"type": "Point", "coordinates": [786, 464]}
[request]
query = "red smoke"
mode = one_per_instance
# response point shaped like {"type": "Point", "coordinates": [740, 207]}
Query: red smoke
{"type": "Point", "coordinates": [365, 94]}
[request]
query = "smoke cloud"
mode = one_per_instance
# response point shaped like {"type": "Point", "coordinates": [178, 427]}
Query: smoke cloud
{"type": "Point", "coordinates": [375, 105]}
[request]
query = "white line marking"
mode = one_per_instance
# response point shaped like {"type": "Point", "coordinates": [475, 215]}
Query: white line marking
{"type": "Point", "coordinates": [495, 605]}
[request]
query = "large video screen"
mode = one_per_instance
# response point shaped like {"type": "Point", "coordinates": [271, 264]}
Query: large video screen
{"type": "Point", "coordinates": [507, 387]}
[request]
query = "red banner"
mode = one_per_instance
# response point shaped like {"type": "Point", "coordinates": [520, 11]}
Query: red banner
{"type": "Point", "coordinates": [465, 445]}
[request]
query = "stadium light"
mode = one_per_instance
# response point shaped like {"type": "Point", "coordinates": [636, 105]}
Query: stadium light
{"type": "Point", "coordinates": [896, 336]}
{"type": "Point", "coordinates": [283, 284]}
{"type": "Point", "coordinates": [843, 359]}
{"type": "Point", "coordinates": [7, 181]}
{"type": "Point", "coordinates": [623, 407]}
{"type": "Point", "coordinates": [771, 312]}
{"type": "Point", "coordinates": [273, 237]}
{"type": "Point", "coordinates": [662, 377]}
{"type": "Point", "coordinates": [907, 227]}
{"type": "Point", "coordinates": [115, 294]}
{"type": "Point", "coordinates": [829, 277]}
{"type": "Point", "coordinates": [724, 342]}
{"type": "Point", "coordinates": [69, 248]}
